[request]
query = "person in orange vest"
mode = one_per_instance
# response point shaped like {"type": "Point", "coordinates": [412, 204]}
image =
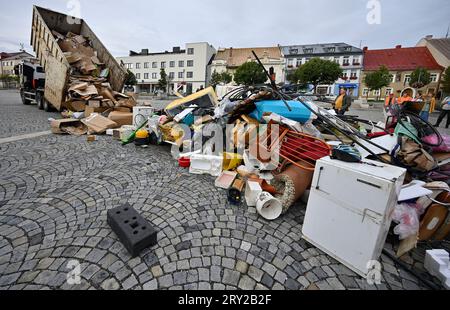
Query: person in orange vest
{"type": "Point", "coordinates": [390, 100]}
{"type": "Point", "coordinates": [405, 98]}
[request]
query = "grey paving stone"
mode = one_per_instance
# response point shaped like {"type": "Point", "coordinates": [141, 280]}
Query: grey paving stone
{"type": "Point", "coordinates": [110, 285]}
{"type": "Point", "coordinates": [231, 277]}
{"type": "Point", "coordinates": [246, 283]}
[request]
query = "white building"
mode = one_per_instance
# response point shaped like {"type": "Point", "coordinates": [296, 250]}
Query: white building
{"type": "Point", "coordinates": [186, 69]}
{"type": "Point", "coordinates": [350, 59]}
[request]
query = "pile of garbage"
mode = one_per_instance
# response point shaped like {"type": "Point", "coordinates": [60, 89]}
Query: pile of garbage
{"type": "Point", "coordinates": [91, 105]}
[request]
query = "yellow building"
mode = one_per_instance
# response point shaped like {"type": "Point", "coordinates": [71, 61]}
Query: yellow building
{"type": "Point", "coordinates": [401, 62]}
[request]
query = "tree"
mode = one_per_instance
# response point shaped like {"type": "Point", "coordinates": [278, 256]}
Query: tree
{"type": "Point", "coordinates": [376, 80]}
{"type": "Point", "coordinates": [420, 78]}
{"type": "Point", "coordinates": [446, 81]}
{"type": "Point", "coordinates": [130, 79]}
{"type": "Point", "coordinates": [316, 71]}
{"type": "Point", "coordinates": [217, 78]}
{"type": "Point", "coordinates": [162, 83]}
{"type": "Point", "coordinates": [250, 73]}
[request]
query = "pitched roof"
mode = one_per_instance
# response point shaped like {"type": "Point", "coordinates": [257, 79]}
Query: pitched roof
{"type": "Point", "coordinates": [442, 45]}
{"type": "Point", "coordinates": [400, 59]}
{"type": "Point", "coordinates": [5, 56]}
{"type": "Point", "coordinates": [238, 56]}
{"type": "Point", "coordinates": [320, 49]}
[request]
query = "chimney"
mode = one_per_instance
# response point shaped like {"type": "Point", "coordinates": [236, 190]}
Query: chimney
{"type": "Point", "coordinates": [428, 37]}
{"type": "Point", "coordinates": [231, 52]}
{"type": "Point", "coordinates": [365, 48]}
{"type": "Point", "coordinates": [398, 46]}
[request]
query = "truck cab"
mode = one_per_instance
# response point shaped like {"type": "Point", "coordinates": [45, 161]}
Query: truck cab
{"type": "Point", "coordinates": [32, 84]}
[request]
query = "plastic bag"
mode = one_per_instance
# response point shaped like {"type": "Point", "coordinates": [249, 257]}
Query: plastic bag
{"type": "Point", "coordinates": [407, 217]}
{"type": "Point", "coordinates": [433, 140]}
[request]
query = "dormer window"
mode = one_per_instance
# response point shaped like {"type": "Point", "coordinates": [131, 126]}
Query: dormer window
{"type": "Point", "coordinates": [294, 51]}
{"type": "Point", "coordinates": [308, 50]}
{"type": "Point", "coordinates": [331, 49]}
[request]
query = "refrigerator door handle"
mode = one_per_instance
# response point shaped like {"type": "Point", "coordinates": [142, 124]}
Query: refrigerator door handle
{"type": "Point", "coordinates": [318, 178]}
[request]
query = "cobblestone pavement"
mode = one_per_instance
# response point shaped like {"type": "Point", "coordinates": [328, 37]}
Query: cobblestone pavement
{"type": "Point", "coordinates": [18, 119]}
{"type": "Point", "coordinates": [55, 192]}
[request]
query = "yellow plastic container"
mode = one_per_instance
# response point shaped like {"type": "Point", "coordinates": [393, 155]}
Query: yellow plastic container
{"type": "Point", "coordinates": [231, 161]}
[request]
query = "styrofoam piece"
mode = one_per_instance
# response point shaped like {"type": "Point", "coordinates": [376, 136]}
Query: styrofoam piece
{"type": "Point", "coordinates": [413, 190]}
{"type": "Point", "coordinates": [388, 142]}
{"type": "Point", "coordinates": [178, 118]}
{"type": "Point", "coordinates": [252, 191]}
{"type": "Point", "coordinates": [268, 206]}
{"type": "Point", "coordinates": [206, 164]}
{"type": "Point", "coordinates": [437, 263]}
{"type": "Point", "coordinates": [226, 179]}
{"type": "Point", "coordinates": [252, 163]}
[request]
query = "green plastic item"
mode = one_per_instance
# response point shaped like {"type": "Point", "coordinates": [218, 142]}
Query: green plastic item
{"type": "Point", "coordinates": [407, 129]}
{"type": "Point", "coordinates": [132, 137]}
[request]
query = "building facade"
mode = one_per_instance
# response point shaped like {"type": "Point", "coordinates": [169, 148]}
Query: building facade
{"type": "Point", "coordinates": [350, 59]}
{"type": "Point", "coordinates": [401, 62]}
{"type": "Point", "coordinates": [186, 69]}
{"type": "Point", "coordinates": [9, 60]}
{"type": "Point", "coordinates": [229, 59]}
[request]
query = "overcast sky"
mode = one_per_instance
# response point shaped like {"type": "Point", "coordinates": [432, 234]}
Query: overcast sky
{"type": "Point", "coordinates": [160, 25]}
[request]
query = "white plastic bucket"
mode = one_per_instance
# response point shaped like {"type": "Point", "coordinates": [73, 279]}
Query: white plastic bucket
{"type": "Point", "coordinates": [268, 207]}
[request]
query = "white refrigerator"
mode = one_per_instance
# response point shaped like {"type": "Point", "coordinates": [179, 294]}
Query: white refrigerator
{"type": "Point", "coordinates": [349, 210]}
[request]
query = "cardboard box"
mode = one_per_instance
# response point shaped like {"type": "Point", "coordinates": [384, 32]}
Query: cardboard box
{"type": "Point", "coordinates": [95, 103]}
{"type": "Point", "coordinates": [121, 118]}
{"type": "Point", "coordinates": [90, 110]}
{"type": "Point", "coordinates": [98, 124]}
{"type": "Point", "coordinates": [70, 126]}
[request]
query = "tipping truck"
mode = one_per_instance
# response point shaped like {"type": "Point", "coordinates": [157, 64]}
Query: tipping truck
{"type": "Point", "coordinates": [53, 61]}
{"type": "Point", "coordinates": [32, 82]}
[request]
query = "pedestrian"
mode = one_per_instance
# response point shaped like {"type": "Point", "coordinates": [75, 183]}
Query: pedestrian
{"type": "Point", "coordinates": [343, 102]}
{"type": "Point", "coordinates": [390, 100]}
{"type": "Point", "coordinates": [445, 112]}
{"type": "Point", "coordinates": [428, 107]}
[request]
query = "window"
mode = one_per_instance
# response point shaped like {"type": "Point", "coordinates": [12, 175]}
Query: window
{"type": "Point", "coordinates": [393, 78]}
{"type": "Point", "coordinates": [348, 48]}
{"type": "Point", "coordinates": [377, 92]}
{"type": "Point", "coordinates": [180, 75]}
{"type": "Point", "coordinates": [308, 50]}
{"type": "Point", "coordinates": [163, 64]}
{"type": "Point", "coordinates": [434, 77]}
{"type": "Point", "coordinates": [145, 76]}
{"type": "Point", "coordinates": [407, 78]}
{"type": "Point", "coordinates": [290, 63]}
{"type": "Point", "coordinates": [171, 75]}
{"type": "Point", "coordinates": [346, 61]}
{"type": "Point", "coordinates": [353, 75]}
{"type": "Point", "coordinates": [138, 65]}
{"type": "Point", "coordinates": [331, 49]}
{"type": "Point", "coordinates": [138, 76]}
{"type": "Point", "coordinates": [190, 51]}
{"type": "Point", "coordinates": [356, 60]}
{"type": "Point", "coordinates": [299, 62]}
{"type": "Point", "coordinates": [129, 66]}
{"type": "Point", "coordinates": [190, 75]}
{"type": "Point", "coordinates": [190, 63]}
{"type": "Point", "coordinates": [154, 76]}
{"type": "Point", "coordinates": [365, 92]}
{"type": "Point", "coordinates": [145, 65]}
{"type": "Point", "coordinates": [389, 91]}
{"type": "Point", "coordinates": [154, 64]}
{"type": "Point", "coordinates": [337, 60]}
{"type": "Point", "coordinates": [181, 64]}
{"type": "Point", "coordinates": [307, 59]}
{"type": "Point", "coordinates": [172, 64]}
{"type": "Point", "coordinates": [293, 51]}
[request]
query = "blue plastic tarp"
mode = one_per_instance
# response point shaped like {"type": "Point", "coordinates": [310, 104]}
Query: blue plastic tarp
{"type": "Point", "coordinates": [299, 112]}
